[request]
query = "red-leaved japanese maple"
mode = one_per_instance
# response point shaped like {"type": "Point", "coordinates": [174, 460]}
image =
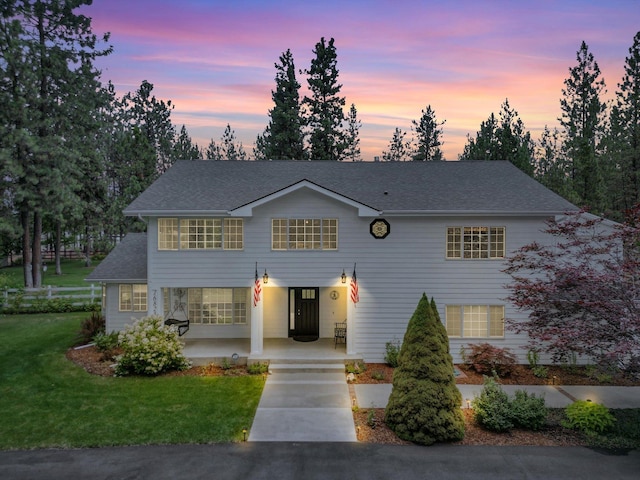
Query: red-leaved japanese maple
{"type": "Point", "coordinates": [581, 290]}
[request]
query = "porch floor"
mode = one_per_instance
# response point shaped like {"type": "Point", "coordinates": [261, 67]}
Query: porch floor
{"type": "Point", "coordinates": [204, 351]}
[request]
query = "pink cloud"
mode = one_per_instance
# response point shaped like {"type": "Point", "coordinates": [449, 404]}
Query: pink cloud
{"type": "Point", "coordinates": [215, 59]}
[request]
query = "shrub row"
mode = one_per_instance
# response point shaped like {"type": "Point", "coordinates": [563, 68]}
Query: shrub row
{"type": "Point", "coordinates": [495, 411]}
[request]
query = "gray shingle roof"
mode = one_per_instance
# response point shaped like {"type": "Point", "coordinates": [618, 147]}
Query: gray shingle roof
{"type": "Point", "coordinates": [496, 187]}
{"type": "Point", "coordinates": [127, 262]}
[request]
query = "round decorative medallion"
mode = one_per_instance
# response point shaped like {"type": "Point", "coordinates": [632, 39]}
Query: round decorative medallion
{"type": "Point", "coordinates": [380, 228]}
{"type": "Point", "coordinates": [334, 294]}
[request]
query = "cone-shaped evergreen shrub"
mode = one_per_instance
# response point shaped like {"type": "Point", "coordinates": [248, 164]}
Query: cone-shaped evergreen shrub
{"type": "Point", "coordinates": [424, 406]}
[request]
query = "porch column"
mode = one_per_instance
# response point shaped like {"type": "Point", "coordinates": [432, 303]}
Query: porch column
{"type": "Point", "coordinates": [257, 316]}
{"type": "Point", "coordinates": [351, 327]}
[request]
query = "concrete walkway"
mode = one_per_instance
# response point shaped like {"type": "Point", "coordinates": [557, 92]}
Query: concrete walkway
{"type": "Point", "coordinates": [558, 396]}
{"type": "Point", "coordinates": [313, 402]}
{"type": "Point", "coordinates": [304, 403]}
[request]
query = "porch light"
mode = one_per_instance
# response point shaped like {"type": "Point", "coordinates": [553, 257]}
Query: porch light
{"type": "Point", "coordinates": [343, 277]}
{"type": "Point", "coordinates": [265, 277]}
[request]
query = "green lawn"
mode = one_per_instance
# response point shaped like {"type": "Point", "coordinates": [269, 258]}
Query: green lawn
{"type": "Point", "coordinates": [73, 274]}
{"type": "Point", "coordinates": [46, 401]}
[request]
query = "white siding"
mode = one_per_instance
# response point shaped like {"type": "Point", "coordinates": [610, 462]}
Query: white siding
{"type": "Point", "coordinates": [115, 319]}
{"type": "Point", "coordinates": [392, 272]}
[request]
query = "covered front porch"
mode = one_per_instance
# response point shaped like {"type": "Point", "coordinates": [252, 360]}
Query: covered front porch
{"type": "Point", "coordinates": [204, 351]}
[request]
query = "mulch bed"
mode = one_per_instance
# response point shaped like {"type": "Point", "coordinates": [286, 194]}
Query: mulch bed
{"type": "Point", "coordinates": [553, 434]}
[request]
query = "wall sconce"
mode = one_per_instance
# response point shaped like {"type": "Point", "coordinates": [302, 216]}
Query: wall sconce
{"type": "Point", "coordinates": [265, 277]}
{"type": "Point", "coordinates": [343, 277]}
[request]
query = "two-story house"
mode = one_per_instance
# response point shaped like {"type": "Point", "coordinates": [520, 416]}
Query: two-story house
{"type": "Point", "coordinates": [306, 227]}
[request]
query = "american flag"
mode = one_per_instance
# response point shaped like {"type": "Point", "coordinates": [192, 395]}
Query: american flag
{"type": "Point", "coordinates": [355, 296]}
{"type": "Point", "coordinates": [257, 289]}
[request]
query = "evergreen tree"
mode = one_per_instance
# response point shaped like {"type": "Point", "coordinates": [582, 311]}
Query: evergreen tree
{"type": "Point", "coordinates": [153, 118]}
{"type": "Point", "coordinates": [283, 139]}
{"type": "Point", "coordinates": [551, 169]}
{"type": "Point", "coordinates": [424, 405]}
{"type": "Point", "coordinates": [623, 142]}
{"type": "Point", "coordinates": [352, 136]}
{"type": "Point", "coordinates": [502, 138]}
{"type": "Point", "coordinates": [184, 148]}
{"type": "Point", "coordinates": [582, 120]}
{"type": "Point", "coordinates": [428, 132]}
{"type": "Point", "coordinates": [231, 149]}
{"type": "Point", "coordinates": [259, 148]}
{"type": "Point", "coordinates": [399, 149]}
{"type": "Point", "coordinates": [228, 148]}
{"type": "Point", "coordinates": [48, 90]}
{"type": "Point", "coordinates": [325, 115]}
{"type": "Point", "coordinates": [213, 151]}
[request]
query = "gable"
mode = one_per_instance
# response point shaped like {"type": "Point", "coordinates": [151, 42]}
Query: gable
{"type": "Point", "coordinates": [247, 210]}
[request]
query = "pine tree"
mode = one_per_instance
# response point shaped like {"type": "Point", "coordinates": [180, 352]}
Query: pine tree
{"type": "Point", "coordinates": [399, 149]}
{"type": "Point", "coordinates": [623, 139]}
{"type": "Point", "coordinates": [424, 405]}
{"type": "Point", "coordinates": [582, 120]}
{"type": "Point", "coordinates": [231, 149]}
{"type": "Point", "coordinates": [283, 138]}
{"type": "Point", "coordinates": [325, 115]}
{"type": "Point", "coordinates": [49, 91]}
{"type": "Point", "coordinates": [352, 136]}
{"type": "Point", "coordinates": [184, 148]}
{"type": "Point", "coordinates": [550, 163]}
{"type": "Point", "coordinates": [502, 138]}
{"type": "Point", "coordinates": [428, 134]}
{"type": "Point", "coordinates": [153, 118]}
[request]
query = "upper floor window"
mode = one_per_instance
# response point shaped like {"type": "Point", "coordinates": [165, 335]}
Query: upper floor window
{"type": "Point", "coordinates": [304, 234]}
{"type": "Point", "coordinates": [475, 242]}
{"type": "Point", "coordinates": [475, 321]}
{"type": "Point", "coordinates": [200, 234]}
{"type": "Point", "coordinates": [133, 298]}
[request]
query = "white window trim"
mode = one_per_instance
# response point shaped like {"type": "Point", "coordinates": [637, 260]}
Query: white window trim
{"type": "Point", "coordinates": [462, 325]}
{"type": "Point", "coordinates": [198, 320]}
{"type": "Point", "coordinates": [321, 242]}
{"type": "Point", "coordinates": [132, 292]}
{"type": "Point", "coordinates": [182, 244]}
{"type": "Point", "coordinates": [489, 242]}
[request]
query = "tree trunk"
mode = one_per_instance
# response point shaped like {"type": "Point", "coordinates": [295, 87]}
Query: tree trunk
{"type": "Point", "coordinates": [57, 245]}
{"type": "Point", "coordinates": [26, 248]}
{"type": "Point", "coordinates": [36, 255]}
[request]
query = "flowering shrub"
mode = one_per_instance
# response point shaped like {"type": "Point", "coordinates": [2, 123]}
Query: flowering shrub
{"type": "Point", "coordinates": [150, 347]}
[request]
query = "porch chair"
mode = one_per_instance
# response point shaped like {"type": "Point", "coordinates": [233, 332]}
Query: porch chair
{"type": "Point", "coordinates": [340, 333]}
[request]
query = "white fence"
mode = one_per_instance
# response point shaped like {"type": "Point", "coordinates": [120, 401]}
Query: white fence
{"type": "Point", "coordinates": [28, 297]}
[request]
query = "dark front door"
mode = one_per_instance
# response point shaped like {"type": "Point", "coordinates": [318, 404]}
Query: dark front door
{"type": "Point", "coordinates": [305, 312]}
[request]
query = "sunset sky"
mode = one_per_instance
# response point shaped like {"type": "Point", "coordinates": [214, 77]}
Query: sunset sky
{"type": "Point", "coordinates": [215, 59]}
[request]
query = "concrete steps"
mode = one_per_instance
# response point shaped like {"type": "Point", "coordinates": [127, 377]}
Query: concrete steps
{"type": "Point", "coordinates": [304, 401]}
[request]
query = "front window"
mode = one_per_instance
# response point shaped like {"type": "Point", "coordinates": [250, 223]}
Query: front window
{"type": "Point", "coordinates": [304, 234]}
{"type": "Point", "coordinates": [200, 234]}
{"type": "Point", "coordinates": [475, 242]}
{"type": "Point", "coordinates": [133, 298]}
{"type": "Point", "coordinates": [218, 306]}
{"type": "Point", "coordinates": [475, 321]}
